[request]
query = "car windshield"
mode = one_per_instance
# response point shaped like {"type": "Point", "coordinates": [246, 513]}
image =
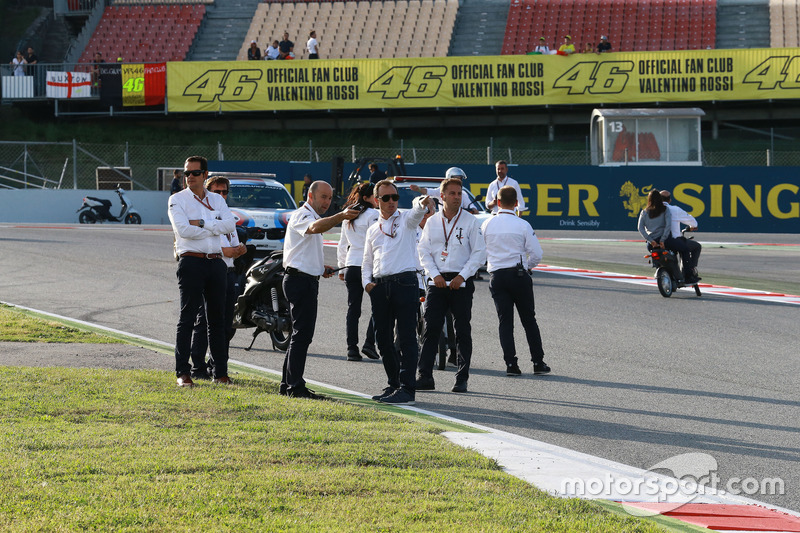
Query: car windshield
{"type": "Point", "coordinates": [259, 197]}
{"type": "Point", "coordinates": [407, 196]}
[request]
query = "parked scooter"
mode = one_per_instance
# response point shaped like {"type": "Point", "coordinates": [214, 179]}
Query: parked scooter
{"type": "Point", "coordinates": [669, 276]}
{"type": "Point", "coordinates": [99, 210]}
{"type": "Point", "coordinates": [263, 305]}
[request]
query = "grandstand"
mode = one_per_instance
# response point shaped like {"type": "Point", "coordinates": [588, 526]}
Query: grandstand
{"type": "Point", "coordinates": [165, 30]}
{"type": "Point", "coordinates": [141, 31]}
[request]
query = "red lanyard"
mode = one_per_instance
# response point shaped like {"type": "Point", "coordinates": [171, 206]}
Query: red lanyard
{"type": "Point", "coordinates": [391, 235]}
{"type": "Point", "coordinates": [206, 203]}
{"type": "Point", "coordinates": [444, 228]}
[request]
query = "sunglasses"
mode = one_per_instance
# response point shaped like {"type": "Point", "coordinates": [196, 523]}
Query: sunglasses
{"type": "Point", "coordinates": [387, 197]}
{"type": "Point", "coordinates": [223, 192]}
{"type": "Point", "coordinates": [187, 173]}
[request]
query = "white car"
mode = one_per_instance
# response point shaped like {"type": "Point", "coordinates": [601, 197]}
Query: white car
{"type": "Point", "coordinates": [262, 206]}
{"type": "Point", "coordinates": [405, 185]}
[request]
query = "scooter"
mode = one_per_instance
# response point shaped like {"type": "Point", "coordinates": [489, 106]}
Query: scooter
{"type": "Point", "coordinates": [263, 305]}
{"type": "Point", "coordinates": [669, 276]}
{"type": "Point", "coordinates": [96, 210]}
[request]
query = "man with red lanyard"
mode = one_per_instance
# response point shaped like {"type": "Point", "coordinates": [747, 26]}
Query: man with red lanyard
{"type": "Point", "coordinates": [198, 219]}
{"type": "Point", "coordinates": [501, 169]}
{"type": "Point", "coordinates": [303, 261]}
{"type": "Point", "coordinates": [451, 250]}
{"type": "Point", "coordinates": [389, 275]}
{"type": "Point", "coordinates": [512, 249]}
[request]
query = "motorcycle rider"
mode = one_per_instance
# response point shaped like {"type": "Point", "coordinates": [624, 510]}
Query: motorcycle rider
{"type": "Point", "coordinates": [688, 248]}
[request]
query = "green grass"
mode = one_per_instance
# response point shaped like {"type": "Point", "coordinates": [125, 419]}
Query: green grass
{"type": "Point", "coordinates": [126, 450]}
{"type": "Point", "coordinates": [24, 327]}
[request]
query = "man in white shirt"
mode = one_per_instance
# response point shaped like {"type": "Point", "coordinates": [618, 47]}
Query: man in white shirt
{"type": "Point", "coordinates": [389, 275]}
{"type": "Point", "coordinates": [688, 248]}
{"type": "Point", "coordinates": [512, 249]}
{"type": "Point", "coordinates": [451, 250]}
{"type": "Point", "coordinates": [542, 47]}
{"type": "Point", "coordinates": [231, 249]}
{"type": "Point", "coordinates": [272, 51]}
{"type": "Point", "coordinates": [502, 180]}
{"type": "Point", "coordinates": [312, 45]}
{"type": "Point", "coordinates": [304, 264]}
{"type": "Point", "coordinates": [198, 219]}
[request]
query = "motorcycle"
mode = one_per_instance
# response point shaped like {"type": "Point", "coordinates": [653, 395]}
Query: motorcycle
{"type": "Point", "coordinates": [669, 275]}
{"type": "Point", "coordinates": [96, 210]}
{"type": "Point", "coordinates": [263, 305]}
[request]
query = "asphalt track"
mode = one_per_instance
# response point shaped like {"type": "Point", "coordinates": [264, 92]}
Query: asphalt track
{"type": "Point", "coordinates": [636, 378]}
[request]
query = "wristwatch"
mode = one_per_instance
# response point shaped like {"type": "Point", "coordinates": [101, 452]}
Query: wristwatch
{"type": "Point", "coordinates": [201, 223]}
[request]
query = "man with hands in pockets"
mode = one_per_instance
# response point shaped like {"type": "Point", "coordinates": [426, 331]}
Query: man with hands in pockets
{"type": "Point", "coordinates": [451, 250]}
{"type": "Point", "coordinates": [512, 249]}
{"type": "Point", "coordinates": [389, 275]}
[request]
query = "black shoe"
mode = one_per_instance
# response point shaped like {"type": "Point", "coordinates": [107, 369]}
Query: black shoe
{"type": "Point", "coordinates": [540, 368]}
{"type": "Point", "coordinates": [425, 384]}
{"type": "Point", "coordinates": [282, 389]}
{"type": "Point", "coordinates": [353, 355]}
{"type": "Point", "coordinates": [370, 352]}
{"type": "Point", "coordinates": [386, 392]}
{"type": "Point", "coordinates": [460, 386]}
{"type": "Point", "coordinates": [305, 393]}
{"type": "Point", "coordinates": [399, 397]}
{"type": "Point", "coordinates": [513, 370]}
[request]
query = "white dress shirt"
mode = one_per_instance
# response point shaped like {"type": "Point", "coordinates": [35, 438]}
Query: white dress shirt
{"type": "Point", "coordinates": [391, 245]}
{"type": "Point", "coordinates": [465, 248]}
{"type": "Point", "coordinates": [494, 188]}
{"type": "Point", "coordinates": [678, 216]}
{"type": "Point", "coordinates": [350, 251]}
{"type": "Point", "coordinates": [212, 209]}
{"type": "Point", "coordinates": [312, 45]}
{"type": "Point", "coordinates": [509, 240]}
{"type": "Point", "coordinates": [302, 250]}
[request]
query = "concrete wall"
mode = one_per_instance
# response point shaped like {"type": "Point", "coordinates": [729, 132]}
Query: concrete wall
{"type": "Point", "coordinates": [60, 206]}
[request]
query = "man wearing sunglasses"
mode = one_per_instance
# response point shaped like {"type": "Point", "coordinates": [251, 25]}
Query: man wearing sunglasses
{"type": "Point", "coordinates": [389, 275]}
{"type": "Point", "coordinates": [198, 219]}
{"type": "Point", "coordinates": [304, 263]}
{"type": "Point", "coordinates": [231, 249]}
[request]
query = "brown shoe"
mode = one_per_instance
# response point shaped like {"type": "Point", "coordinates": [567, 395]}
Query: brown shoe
{"type": "Point", "coordinates": [224, 380]}
{"type": "Point", "coordinates": [185, 381]}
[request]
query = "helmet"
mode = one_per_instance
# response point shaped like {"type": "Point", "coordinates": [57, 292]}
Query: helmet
{"type": "Point", "coordinates": [455, 172]}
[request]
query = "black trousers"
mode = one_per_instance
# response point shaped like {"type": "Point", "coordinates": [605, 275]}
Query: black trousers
{"type": "Point", "coordinates": [395, 302]}
{"type": "Point", "coordinates": [508, 291]}
{"type": "Point", "coordinates": [689, 250]}
{"type": "Point", "coordinates": [201, 282]}
{"type": "Point", "coordinates": [302, 292]}
{"type": "Point", "coordinates": [437, 303]}
{"type": "Point", "coordinates": [200, 332]}
{"type": "Point", "coordinates": [355, 296]}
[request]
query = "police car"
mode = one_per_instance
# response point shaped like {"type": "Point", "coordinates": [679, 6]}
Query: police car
{"type": "Point", "coordinates": [262, 207]}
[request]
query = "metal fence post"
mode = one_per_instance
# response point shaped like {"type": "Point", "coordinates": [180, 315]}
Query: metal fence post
{"type": "Point", "coordinates": [74, 164]}
{"type": "Point", "coordinates": [769, 157]}
{"type": "Point", "coordinates": [126, 154]}
{"type": "Point", "coordinates": [310, 150]}
{"type": "Point", "coordinates": [220, 155]}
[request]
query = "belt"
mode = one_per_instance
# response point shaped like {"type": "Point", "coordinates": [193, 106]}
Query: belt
{"type": "Point", "coordinates": [449, 276]}
{"type": "Point", "coordinates": [202, 256]}
{"type": "Point", "coordinates": [395, 277]}
{"type": "Point", "coordinates": [294, 272]}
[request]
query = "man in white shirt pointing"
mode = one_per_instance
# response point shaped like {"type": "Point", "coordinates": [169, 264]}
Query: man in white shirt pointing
{"type": "Point", "coordinates": [389, 275]}
{"type": "Point", "coordinates": [304, 264]}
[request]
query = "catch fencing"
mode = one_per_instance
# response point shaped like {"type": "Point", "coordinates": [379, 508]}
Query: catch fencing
{"type": "Point", "coordinates": [72, 165]}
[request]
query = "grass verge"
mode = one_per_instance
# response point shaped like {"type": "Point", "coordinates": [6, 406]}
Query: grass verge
{"type": "Point", "coordinates": [102, 449]}
{"type": "Point", "coordinates": [19, 326]}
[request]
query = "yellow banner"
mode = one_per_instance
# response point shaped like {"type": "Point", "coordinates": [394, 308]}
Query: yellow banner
{"type": "Point", "coordinates": [624, 77]}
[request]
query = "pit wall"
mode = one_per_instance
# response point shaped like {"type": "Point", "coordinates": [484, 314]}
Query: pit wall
{"type": "Point", "coordinates": [723, 199]}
